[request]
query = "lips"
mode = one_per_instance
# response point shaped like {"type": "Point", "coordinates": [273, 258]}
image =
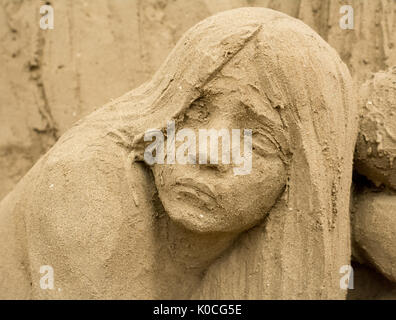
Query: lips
{"type": "Point", "coordinates": [198, 186]}
{"type": "Point", "coordinates": [196, 190]}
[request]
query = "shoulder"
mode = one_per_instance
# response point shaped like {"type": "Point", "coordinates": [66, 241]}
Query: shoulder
{"type": "Point", "coordinates": [86, 185]}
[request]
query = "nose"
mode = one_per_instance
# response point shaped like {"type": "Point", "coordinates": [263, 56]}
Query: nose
{"type": "Point", "coordinates": [215, 166]}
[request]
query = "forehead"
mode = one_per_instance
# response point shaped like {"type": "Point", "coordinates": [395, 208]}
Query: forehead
{"type": "Point", "coordinates": [236, 97]}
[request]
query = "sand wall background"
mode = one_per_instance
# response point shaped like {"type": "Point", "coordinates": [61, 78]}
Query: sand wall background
{"type": "Point", "coordinates": [100, 49]}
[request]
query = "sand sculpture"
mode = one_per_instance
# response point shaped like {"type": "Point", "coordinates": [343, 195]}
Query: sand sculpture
{"type": "Point", "coordinates": [112, 226]}
{"type": "Point", "coordinates": [376, 145]}
{"type": "Point", "coordinates": [374, 213]}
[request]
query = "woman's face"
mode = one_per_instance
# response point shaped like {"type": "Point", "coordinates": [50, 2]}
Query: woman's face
{"type": "Point", "coordinates": [210, 197]}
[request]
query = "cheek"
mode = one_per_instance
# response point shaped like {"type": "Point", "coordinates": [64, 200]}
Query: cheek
{"type": "Point", "coordinates": [257, 191]}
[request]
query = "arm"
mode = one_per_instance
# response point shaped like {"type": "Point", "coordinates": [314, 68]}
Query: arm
{"type": "Point", "coordinates": [83, 222]}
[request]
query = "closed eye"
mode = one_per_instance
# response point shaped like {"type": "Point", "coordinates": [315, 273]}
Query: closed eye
{"type": "Point", "coordinates": [263, 151]}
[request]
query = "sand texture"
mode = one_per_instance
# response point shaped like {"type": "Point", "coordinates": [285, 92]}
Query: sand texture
{"type": "Point", "coordinates": [78, 194]}
{"type": "Point", "coordinates": [100, 49]}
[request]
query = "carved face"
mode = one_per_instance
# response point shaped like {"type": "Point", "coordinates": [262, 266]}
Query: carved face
{"type": "Point", "coordinates": [210, 197]}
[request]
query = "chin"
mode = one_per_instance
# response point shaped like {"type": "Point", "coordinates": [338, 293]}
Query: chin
{"type": "Point", "coordinates": [195, 219]}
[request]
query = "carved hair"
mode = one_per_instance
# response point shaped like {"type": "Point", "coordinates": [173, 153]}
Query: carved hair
{"type": "Point", "coordinates": [302, 92]}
